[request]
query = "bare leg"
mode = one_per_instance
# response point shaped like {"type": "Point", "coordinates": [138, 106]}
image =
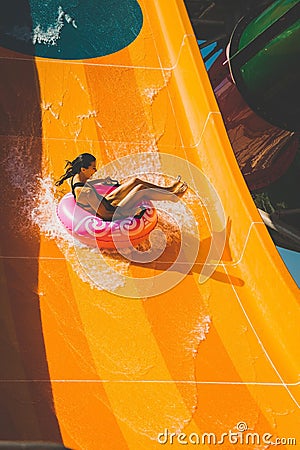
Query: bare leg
{"type": "Point", "coordinates": [139, 192]}
{"type": "Point", "coordinates": [122, 191]}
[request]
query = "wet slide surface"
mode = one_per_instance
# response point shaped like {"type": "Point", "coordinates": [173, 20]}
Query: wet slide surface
{"type": "Point", "coordinates": [103, 352]}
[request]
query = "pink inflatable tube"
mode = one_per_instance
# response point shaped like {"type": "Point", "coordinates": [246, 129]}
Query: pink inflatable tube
{"type": "Point", "coordinates": [93, 231]}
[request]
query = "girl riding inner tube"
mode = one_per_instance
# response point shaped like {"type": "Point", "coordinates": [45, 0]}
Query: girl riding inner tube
{"type": "Point", "coordinates": [103, 212]}
{"type": "Point", "coordinates": [94, 231]}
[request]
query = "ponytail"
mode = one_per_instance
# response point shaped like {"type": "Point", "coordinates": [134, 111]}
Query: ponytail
{"type": "Point", "coordinates": [68, 174]}
{"type": "Point", "coordinates": [74, 167]}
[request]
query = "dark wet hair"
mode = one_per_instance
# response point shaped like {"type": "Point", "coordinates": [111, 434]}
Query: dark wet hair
{"type": "Point", "coordinates": [75, 166]}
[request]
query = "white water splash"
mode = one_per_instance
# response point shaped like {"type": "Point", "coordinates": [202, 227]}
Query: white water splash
{"type": "Point", "coordinates": [44, 215]}
{"type": "Point", "coordinates": [150, 92]}
{"type": "Point", "coordinates": [51, 35]}
{"type": "Point", "coordinates": [197, 334]}
{"type": "Point", "coordinates": [40, 35]}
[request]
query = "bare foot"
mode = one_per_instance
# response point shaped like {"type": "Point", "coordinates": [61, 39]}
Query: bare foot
{"type": "Point", "coordinates": [181, 189]}
{"type": "Point", "coordinates": [175, 186]}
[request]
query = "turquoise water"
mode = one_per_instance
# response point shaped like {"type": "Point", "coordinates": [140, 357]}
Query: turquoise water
{"type": "Point", "coordinates": [70, 29]}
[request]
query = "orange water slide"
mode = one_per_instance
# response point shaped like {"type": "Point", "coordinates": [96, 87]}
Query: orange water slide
{"type": "Point", "coordinates": [89, 360]}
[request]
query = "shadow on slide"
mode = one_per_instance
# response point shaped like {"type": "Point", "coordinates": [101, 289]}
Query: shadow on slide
{"type": "Point", "coordinates": [26, 410]}
{"type": "Point", "coordinates": [205, 254]}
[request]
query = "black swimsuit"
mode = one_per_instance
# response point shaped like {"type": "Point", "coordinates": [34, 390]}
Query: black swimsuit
{"type": "Point", "coordinates": [107, 205]}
